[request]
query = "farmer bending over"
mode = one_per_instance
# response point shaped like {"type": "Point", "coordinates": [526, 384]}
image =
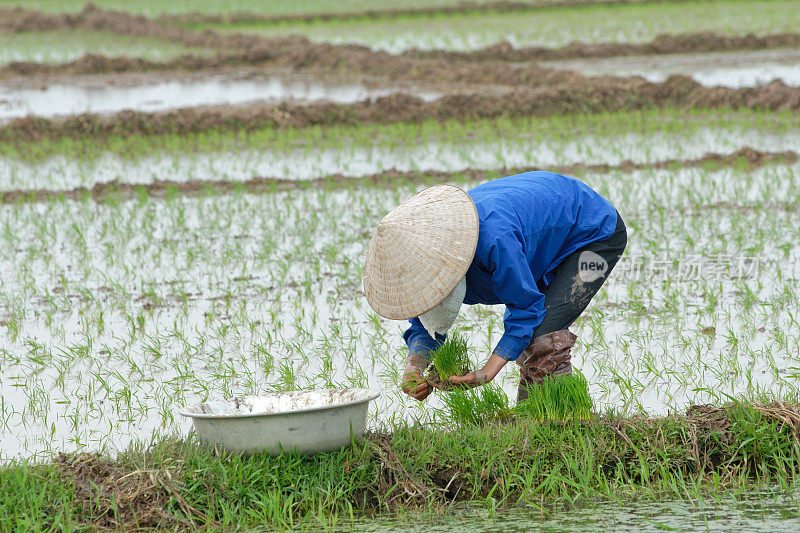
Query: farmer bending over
{"type": "Point", "coordinates": [539, 242]}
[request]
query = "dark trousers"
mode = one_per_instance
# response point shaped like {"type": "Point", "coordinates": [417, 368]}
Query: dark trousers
{"type": "Point", "coordinates": [578, 278]}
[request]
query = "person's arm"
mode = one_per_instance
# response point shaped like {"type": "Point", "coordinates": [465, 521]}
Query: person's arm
{"type": "Point", "coordinates": [419, 341]}
{"type": "Point", "coordinates": [513, 284]}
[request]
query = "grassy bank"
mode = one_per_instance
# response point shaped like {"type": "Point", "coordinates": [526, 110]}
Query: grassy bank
{"type": "Point", "coordinates": [183, 485]}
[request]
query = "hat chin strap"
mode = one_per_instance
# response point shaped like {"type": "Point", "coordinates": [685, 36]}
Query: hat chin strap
{"type": "Point", "coordinates": [441, 318]}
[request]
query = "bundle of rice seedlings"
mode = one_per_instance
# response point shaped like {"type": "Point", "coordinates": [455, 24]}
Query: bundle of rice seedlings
{"type": "Point", "coordinates": [558, 398]}
{"type": "Point", "coordinates": [450, 359]}
{"type": "Point", "coordinates": [478, 406]}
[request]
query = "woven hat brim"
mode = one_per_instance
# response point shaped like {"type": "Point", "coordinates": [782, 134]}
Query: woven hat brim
{"type": "Point", "coordinates": [420, 251]}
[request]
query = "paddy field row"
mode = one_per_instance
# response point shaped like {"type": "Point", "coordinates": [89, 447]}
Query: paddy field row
{"type": "Point", "coordinates": [159, 257]}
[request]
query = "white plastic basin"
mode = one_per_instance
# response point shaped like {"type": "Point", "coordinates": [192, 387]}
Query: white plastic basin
{"type": "Point", "coordinates": [300, 421]}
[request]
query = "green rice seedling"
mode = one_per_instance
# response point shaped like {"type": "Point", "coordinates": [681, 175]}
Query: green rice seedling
{"type": "Point", "coordinates": [474, 407]}
{"type": "Point", "coordinates": [450, 359]}
{"type": "Point", "coordinates": [557, 398]}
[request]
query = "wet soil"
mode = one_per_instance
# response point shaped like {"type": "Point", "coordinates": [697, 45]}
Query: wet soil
{"type": "Point", "coordinates": [118, 497]}
{"type": "Point", "coordinates": [102, 191]}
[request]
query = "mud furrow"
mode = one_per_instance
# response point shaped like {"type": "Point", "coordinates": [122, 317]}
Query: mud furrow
{"type": "Point", "coordinates": [582, 95]}
{"type": "Point", "coordinates": [160, 189]}
{"type": "Point", "coordinates": [103, 64]}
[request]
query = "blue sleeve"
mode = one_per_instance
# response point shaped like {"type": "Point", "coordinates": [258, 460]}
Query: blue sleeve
{"type": "Point", "coordinates": [513, 283]}
{"type": "Point", "coordinates": [418, 340]}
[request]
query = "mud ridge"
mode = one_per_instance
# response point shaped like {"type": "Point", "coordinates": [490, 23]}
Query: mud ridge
{"type": "Point", "coordinates": [375, 67]}
{"type": "Point", "coordinates": [746, 155]}
{"type": "Point", "coordinates": [581, 95]}
{"type": "Point", "coordinates": [299, 53]}
{"type": "Point", "coordinates": [103, 64]}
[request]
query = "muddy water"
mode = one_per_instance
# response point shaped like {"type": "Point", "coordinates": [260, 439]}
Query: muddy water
{"type": "Point", "coordinates": [86, 96]}
{"type": "Point", "coordinates": [727, 69]}
{"type": "Point", "coordinates": [766, 511]}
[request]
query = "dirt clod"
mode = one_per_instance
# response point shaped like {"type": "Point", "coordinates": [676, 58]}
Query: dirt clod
{"type": "Point", "coordinates": [115, 497]}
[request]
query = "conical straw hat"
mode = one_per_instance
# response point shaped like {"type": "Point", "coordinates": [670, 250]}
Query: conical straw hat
{"type": "Point", "coordinates": [420, 251]}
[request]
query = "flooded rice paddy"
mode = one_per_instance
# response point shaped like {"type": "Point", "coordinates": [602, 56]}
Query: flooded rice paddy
{"type": "Point", "coordinates": [117, 311]}
{"type": "Point", "coordinates": [725, 69]}
{"type": "Point", "coordinates": [117, 314]}
{"type": "Point", "coordinates": [86, 95]}
{"type": "Point", "coordinates": [360, 157]}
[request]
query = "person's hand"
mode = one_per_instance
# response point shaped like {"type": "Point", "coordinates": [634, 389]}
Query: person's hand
{"type": "Point", "coordinates": [471, 379]}
{"type": "Point", "coordinates": [414, 384]}
{"type": "Point", "coordinates": [482, 376]}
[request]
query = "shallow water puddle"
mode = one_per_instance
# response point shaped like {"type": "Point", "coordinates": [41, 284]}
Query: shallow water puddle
{"type": "Point", "coordinates": [766, 510]}
{"type": "Point", "coordinates": [727, 69]}
{"type": "Point", "coordinates": [75, 98]}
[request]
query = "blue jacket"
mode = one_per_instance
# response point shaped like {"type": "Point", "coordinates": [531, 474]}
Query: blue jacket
{"type": "Point", "coordinates": [529, 223]}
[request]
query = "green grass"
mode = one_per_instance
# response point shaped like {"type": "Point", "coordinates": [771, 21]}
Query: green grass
{"type": "Point", "coordinates": [552, 27]}
{"type": "Point", "coordinates": [707, 453]}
